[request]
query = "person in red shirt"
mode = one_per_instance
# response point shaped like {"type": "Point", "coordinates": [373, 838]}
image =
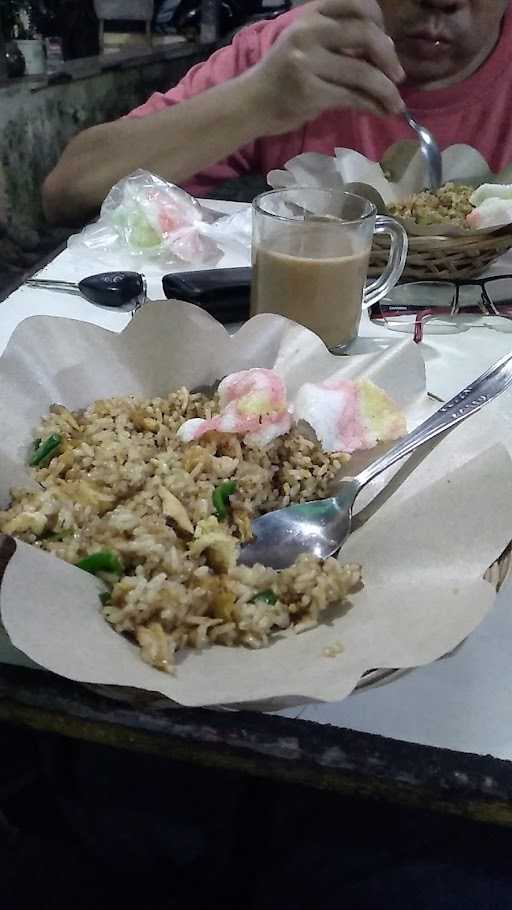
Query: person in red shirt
{"type": "Point", "coordinates": [332, 73]}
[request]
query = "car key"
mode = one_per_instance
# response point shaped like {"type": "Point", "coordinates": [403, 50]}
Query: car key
{"type": "Point", "coordinates": [110, 289]}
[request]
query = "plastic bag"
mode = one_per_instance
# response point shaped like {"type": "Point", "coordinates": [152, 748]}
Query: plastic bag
{"type": "Point", "coordinates": [145, 218]}
{"type": "Point", "coordinates": [234, 229]}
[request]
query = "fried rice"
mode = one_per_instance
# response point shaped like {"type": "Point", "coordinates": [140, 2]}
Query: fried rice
{"type": "Point", "coordinates": [122, 482]}
{"type": "Point", "coordinates": [448, 205]}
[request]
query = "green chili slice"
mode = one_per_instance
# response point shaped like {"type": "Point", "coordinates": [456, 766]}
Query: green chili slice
{"type": "Point", "coordinates": [267, 597]}
{"type": "Point", "coordinates": [105, 598]}
{"type": "Point", "coordinates": [220, 498]}
{"type": "Point", "coordinates": [45, 451]}
{"type": "Point", "coordinates": [102, 561]}
{"type": "Point", "coordinates": [57, 535]}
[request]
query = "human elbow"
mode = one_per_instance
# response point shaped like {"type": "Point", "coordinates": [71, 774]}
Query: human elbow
{"type": "Point", "coordinates": [65, 193]}
{"type": "Point", "coordinates": [52, 198]}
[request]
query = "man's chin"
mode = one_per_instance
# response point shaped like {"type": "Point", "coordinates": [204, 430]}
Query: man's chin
{"type": "Point", "coordinates": [427, 73]}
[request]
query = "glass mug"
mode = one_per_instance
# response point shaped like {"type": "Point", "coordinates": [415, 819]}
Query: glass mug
{"type": "Point", "coordinates": [310, 253]}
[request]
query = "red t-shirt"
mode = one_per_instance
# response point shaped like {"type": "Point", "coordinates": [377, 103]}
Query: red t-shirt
{"type": "Point", "coordinates": [476, 111]}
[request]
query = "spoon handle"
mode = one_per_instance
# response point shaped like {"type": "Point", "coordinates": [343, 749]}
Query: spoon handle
{"type": "Point", "coordinates": [470, 400]}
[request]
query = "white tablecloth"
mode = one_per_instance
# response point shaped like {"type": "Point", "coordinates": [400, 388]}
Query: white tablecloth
{"type": "Point", "coordinates": [463, 702]}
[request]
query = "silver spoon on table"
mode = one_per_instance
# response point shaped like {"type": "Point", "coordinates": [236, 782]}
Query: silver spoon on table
{"type": "Point", "coordinates": [429, 150]}
{"type": "Point", "coordinates": [321, 527]}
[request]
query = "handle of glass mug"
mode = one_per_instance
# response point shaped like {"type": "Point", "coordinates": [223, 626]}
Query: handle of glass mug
{"type": "Point", "coordinates": [396, 264]}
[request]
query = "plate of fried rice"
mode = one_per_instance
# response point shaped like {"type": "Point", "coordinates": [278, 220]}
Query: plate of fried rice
{"type": "Point", "coordinates": [450, 204]}
{"type": "Point", "coordinates": [130, 508]}
{"type": "Point", "coordinates": [125, 487]}
{"type": "Point", "coordinates": [155, 496]}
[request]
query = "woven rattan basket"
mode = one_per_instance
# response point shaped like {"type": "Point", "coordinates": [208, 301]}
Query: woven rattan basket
{"type": "Point", "coordinates": [444, 258]}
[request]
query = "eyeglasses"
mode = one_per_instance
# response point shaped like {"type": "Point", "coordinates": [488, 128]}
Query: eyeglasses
{"type": "Point", "coordinates": [447, 307]}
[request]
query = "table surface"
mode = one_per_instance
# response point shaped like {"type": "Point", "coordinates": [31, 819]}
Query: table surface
{"type": "Point", "coordinates": [463, 702]}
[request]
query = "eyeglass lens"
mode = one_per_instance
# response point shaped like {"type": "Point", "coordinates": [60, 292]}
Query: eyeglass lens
{"type": "Point", "coordinates": [442, 307]}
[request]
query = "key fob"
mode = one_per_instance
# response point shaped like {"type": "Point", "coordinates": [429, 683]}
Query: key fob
{"type": "Point", "coordinates": [224, 293]}
{"type": "Point", "coordinates": [114, 289]}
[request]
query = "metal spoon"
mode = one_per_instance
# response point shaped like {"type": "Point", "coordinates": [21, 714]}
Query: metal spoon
{"type": "Point", "coordinates": [321, 527]}
{"type": "Point", "coordinates": [429, 150]}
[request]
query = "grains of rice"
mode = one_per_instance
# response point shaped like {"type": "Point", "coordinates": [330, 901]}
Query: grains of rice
{"type": "Point", "coordinates": [123, 482]}
{"type": "Point", "coordinates": [333, 650]}
{"type": "Point", "coordinates": [448, 205]}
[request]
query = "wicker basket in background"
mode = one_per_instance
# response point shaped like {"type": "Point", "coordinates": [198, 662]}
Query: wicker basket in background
{"type": "Point", "coordinates": [444, 258]}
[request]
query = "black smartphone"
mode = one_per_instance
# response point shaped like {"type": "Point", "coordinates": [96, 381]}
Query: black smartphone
{"type": "Point", "coordinates": [224, 293]}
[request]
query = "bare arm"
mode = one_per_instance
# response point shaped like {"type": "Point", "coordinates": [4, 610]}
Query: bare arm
{"type": "Point", "coordinates": [175, 143]}
{"type": "Point", "coordinates": [335, 55]}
